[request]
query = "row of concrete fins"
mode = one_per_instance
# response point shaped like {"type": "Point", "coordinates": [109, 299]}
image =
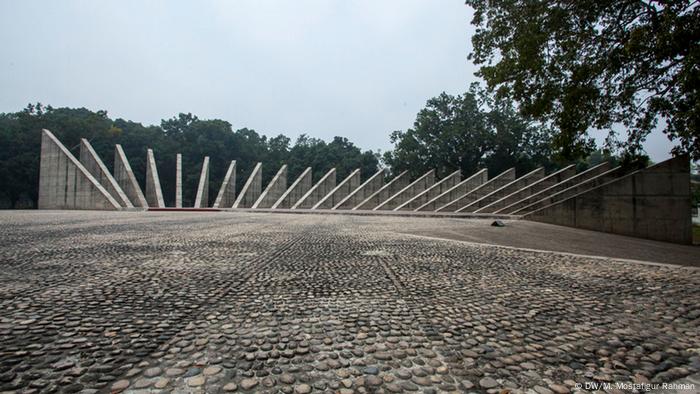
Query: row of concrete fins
{"type": "Point", "coordinates": [503, 194]}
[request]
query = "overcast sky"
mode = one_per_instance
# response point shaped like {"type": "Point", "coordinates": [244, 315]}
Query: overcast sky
{"type": "Point", "coordinates": [358, 69]}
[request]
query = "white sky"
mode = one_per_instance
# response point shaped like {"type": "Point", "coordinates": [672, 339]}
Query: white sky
{"type": "Point", "coordinates": [358, 69]}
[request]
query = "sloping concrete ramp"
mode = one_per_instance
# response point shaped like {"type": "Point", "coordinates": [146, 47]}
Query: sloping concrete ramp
{"type": "Point", "coordinates": [124, 176]}
{"type": "Point", "coordinates": [64, 183]}
{"type": "Point", "coordinates": [652, 203]}
{"type": "Point", "coordinates": [92, 162]}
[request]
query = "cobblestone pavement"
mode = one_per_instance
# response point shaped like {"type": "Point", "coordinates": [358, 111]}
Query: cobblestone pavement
{"type": "Point", "coordinates": [218, 302]}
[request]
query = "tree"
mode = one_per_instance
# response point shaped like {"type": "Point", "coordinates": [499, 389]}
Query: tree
{"type": "Point", "coordinates": [466, 133]}
{"type": "Point", "coordinates": [595, 64]}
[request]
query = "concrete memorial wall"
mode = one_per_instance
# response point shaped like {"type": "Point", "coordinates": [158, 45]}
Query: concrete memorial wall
{"type": "Point", "coordinates": [652, 202]}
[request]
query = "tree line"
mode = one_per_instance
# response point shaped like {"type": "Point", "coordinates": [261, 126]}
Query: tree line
{"type": "Point", "coordinates": [194, 138]}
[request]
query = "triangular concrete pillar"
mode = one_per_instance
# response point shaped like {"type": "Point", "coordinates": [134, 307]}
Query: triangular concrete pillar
{"type": "Point", "coordinates": [274, 189]}
{"type": "Point", "coordinates": [251, 190]}
{"type": "Point", "coordinates": [300, 186]}
{"type": "Point", "coordinates": [154, 193]}
{"type": "Point", "coordinates": [92, 162]}
{"type": "Point", "coordinates": [202, 198]}
{"type": "Point", "coordinates": [126, 179]}
{"type": "Point", "coordinates": [227, 192]}
{"type": "Point", "coordinates": [64, 183]}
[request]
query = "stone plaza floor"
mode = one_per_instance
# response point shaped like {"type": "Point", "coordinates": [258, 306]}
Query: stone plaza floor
{"type": "Point", "coordinates": [252, 302]}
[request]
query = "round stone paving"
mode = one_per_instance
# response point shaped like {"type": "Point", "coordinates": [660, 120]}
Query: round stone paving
{"type": "Point", "coordinates": [236, 302]}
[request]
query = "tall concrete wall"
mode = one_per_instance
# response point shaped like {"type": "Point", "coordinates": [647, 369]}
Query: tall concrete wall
{"type": "Point", "coordinates": [126, 179]}
{"type": "Point", "coordinates": [274, 190]}
{"type": "Point", "coordinates": [392, 187]}
{"type": "Point", "coordinates": [433, 191]}
{"type": "Point", "coordinates": [350, 183]}
{"type": "Point", "coordinates": [154, 194]}
{"type": "Point", "coordinates": [64, 183]}
{"type": "Point", "coordinates": [227, 192]}
{"type": "Point", "coordinates": [95, 166]}
{"type": "Point", "coordinates": [544, 183]}
{"type": "Point", "coordinates": [496, 183]}
{"type": "Point", "coordinates": [652, 203]}
{"type": "Point", "coordinates": [519, 183]}
{"type": "Point", "coordinates": [251, 189]}
{"type": "Point", "coordinates": [295, 192]}
{"type": "Point", "coordinates": [403, 195]}
{"type": "Point", "coordinates": [369, 187]}
{"type": "Point", "coordinates": [317, 191]}
{"type": "Point", "coordinates": [557, 187]}
{"type": "Point", "coordinates": [577, 188]}
{"type": "Point", "coordinates": [456, 191]}
{"type": "Point", "coordinates": [201, 200]}
{"type": "Point", "coordinates": [178, 181]}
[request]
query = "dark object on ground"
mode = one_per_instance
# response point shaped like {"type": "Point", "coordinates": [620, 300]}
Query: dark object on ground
{"type": "Point", "coordinates": [498, 223]}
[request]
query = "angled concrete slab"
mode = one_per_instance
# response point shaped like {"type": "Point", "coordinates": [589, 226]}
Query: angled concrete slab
{"type": "Point", "coordinates": [64, 183]}
{"type": "Point", "coordinates": [295, 192]}
{"type": "Point", "coordinates": [178, 181]}
{"type": "Point", "coordinates": [369, 187]}
{"type": "Point", "coordinates": [227, 192]}
{"type": "Point", "coordinates": [350, 183]}
{"type": "Point", "coordinates": [274, 189]}
{"type": "Point", "coordinates": [154, 193]}
{"type": "Point", "coordinates": [495, 183]}
{"type": "Point", "coordinates": [92, 162]}
{"type": "Point", "coordinates": [555, 188]}
{"type": "Point", "coordinates": [126, 179]}
{"type": "Point", "coordinates": [433, 191]}
{"type": "Point", "coordinates": [317, 191]}
{"type": "Point", "coordinates": [419, 185]}
{"type": "Point", "coordinates": [392, 187]}
{"type": "Point", "coordinates": [652, 203]}
{"type": "Point", "coordinates": [251, 189]}
{"type": "Point", "coordinates": [201, 200]}
{"type": "Point", "coordinates": [518, 183]}
{"type": "Point", "coordinates": [455, 191]}
{"type": "Point", "coordinates": [544, 183]}
{"type": "Point", "coordinates": [576, 188]}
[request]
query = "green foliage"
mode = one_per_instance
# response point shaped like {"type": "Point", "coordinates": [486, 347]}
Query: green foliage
{"type": "Point", "coordinates": [593, 64]}
{"type": "Point", "coordinates": [194, 138]}
{"type": "Point", "coordinates": [469, 132]}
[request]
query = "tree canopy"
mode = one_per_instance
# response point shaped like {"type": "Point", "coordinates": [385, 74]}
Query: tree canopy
{"type": "Point", "coordinates": [194, 138]}
{"type": "Point", "coordinates": [593, 64]}
{"type": "Point", "coordinates": [468, 132]}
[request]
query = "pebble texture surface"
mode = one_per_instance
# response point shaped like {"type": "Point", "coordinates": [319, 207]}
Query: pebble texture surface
{"type": "Point", "coordinates": [234, 302]}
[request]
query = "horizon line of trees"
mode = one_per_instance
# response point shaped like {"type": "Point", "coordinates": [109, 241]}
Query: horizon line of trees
{"type": "Point", "coordinates": [194, 138]}
{"type": "Point", "coordinates": [466, 132]}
